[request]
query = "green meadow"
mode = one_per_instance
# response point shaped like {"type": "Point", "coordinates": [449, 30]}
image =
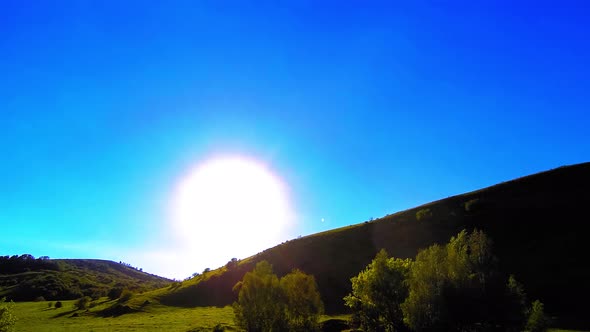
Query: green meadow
{"type": "Point", "coordinates": [37, 316]}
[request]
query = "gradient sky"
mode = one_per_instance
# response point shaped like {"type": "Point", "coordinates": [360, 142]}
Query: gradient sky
{"type": "Point", "coordinates": [362, 108]}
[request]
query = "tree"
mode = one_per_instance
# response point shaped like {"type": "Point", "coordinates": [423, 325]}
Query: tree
{"type": "Point", "coordinates": [457, 287]}
{"type": "Point", "coordinates": [266, 303]}
{"type": "Point", "coordinates": [537, 321]}
{"type": "Point", "coordinates": [82, 303]}
{"type": "Point", "coordinates": [7, 318]}
{"type": "Point", "coordinates": [259, 306]}
{"type": "Point", "coordinates": [377, 293]}
{"type": "Point", "coordinates": [303, 303]}
{"type": "Point", "coordinates": [115, 293]}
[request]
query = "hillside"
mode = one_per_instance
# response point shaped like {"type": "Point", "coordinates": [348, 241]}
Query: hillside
{"type": "Point", "coordinates": [537, 224]}
{"type": "Point", "coordinates": [24, 278]}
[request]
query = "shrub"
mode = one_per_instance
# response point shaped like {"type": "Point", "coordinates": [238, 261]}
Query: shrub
{"type": "Point", "coordinates": [7, 318]}
{"type": "Point", "coordinates": [115, 293]}
{"type": "Point", "coordinates": [50, 305]}
{"type": "Point", "coordinates": [39, 299]}
{"type": "Point", "coordinates": [125, 296]}
{"type": "Point", "coordinates": [58, 304]}
{"type": "Point", "coordinates": [423, 214]}
{"type": "Point", "coordinates": [472, 205]}
{"type": "Point", "coordinates": [82, 303]}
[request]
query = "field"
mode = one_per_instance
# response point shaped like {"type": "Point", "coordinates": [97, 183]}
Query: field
{"type": "Point", "coordinates": [37, 316]}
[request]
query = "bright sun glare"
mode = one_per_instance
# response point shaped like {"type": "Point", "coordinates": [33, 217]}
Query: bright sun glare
{"type": "Point", "coordinates": [230, 207]}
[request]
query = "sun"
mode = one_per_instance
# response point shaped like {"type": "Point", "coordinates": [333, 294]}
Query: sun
{"type": "Point", "coordinates": [230, 207]}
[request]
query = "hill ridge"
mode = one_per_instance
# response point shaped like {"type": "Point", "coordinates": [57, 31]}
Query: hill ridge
{"type": "Point", "coordinates": [523, 216]}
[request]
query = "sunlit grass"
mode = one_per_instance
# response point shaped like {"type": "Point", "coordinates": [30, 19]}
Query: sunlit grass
{"type": "Point", "coordinates": [36, 316]}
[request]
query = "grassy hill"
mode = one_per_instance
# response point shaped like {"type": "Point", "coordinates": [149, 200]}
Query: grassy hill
{"type": "Point", "coordinates": [24, 278]}
{"type": "Point", "coordinates": [537, 223]}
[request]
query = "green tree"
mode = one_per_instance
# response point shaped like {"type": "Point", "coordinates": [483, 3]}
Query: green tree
{"type": "Point", "coordinates": [82, 303]}
{"type": "Point", "coordinates": [537, 321]}
{"type": "Point", "coordinates": [260, 304]}
{"type": "Point", "coordinates": [377, 293]}
{"type": "Point", "coordinates": [303, 303]}
{"type": "Point", "coordinates": [7, 318]}
{"type": "Point", "coordinates": [266, 303]}
{"type": "Point", "coordinates": [115, 293]}
{"type": "Point", "coordinates": [423, 307]}
{"type": "Point", "coordinates": [457, 287]}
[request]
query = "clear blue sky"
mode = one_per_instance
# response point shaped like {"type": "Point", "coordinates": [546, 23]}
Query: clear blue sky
{"type": "Point", "coordinates": [363, 108]}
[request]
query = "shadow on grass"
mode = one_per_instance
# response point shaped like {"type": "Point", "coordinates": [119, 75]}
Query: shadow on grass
{"type": "Point", "coordinates": [65, 313]}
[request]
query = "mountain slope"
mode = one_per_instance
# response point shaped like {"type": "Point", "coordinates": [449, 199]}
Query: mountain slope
{"type": "Point", "coordinates": [24, 278]}
{"type": "Point", "coordinates": [536, 223]}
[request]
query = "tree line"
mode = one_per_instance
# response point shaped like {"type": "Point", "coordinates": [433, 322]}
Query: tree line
{"type": "Point", "coordinates": [25, 263]}
{"type": "Point", "coordinates": [451, 287]}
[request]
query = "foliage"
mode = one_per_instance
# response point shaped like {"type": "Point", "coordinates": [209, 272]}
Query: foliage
{"type": "Point", "coordinates": [452, 287]}
{"type": "Point", "coordinates": [259, 301]}
{"type": "Point", "coordinates": [303, 303]}
{"type": "Point", "coordinates": [537, 321]}
{"type": "Point", "coordinates": [472, 205]}
{"type": "Point", "coordinates": [423, 214]}
{"type": "Point", "coordinates": [7, 318]}
{"type": "Point", "coordinates": [82, 303]}
{"type": "Point", "coordinates": [377, 293]}
{"type": "Point", "coordinates": [266, 303]}
{"type": "Point", "coordinates": [457, 287]}
{"type": "Point", "coordinates": [125, 295]}
{"type": "Point", "coordinates": [74, 278]}
{"type": "Point", "coordinates": [25, 263]}
{"type": "Point", "coordinates": [115, 293]}
{"type": "Point", "coordinates": [58, 304]}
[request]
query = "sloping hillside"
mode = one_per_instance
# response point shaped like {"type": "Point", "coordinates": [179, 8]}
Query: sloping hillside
{"type": "Point", "coordinates": [24, 278]}
{"type": "Point", "coordinates": [537, 224]}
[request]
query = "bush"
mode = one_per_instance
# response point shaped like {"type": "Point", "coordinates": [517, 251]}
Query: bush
{"type": "Point", "coordinates": [115, 293]}
{"type": "Point", "coordinates": [7, 318]}
{"type": "Point", "coordinates": [125, 296]}
{"type": "Point", "coordinates": [423, 214]}
{"type": "Point", "coordinates": [82, 303]}
{"type": "Point", "coordinates": [50, 305]}
{"type": "Point", "coordinates": [58, 304]}
{"type": "Point", "coordinates": [472, 205]}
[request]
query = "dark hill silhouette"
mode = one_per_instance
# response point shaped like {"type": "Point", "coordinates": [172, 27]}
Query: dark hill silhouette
{"type": "Point", "coordinates": [24, 278]}
{"type": "Point", "coordinates": [537, 224]}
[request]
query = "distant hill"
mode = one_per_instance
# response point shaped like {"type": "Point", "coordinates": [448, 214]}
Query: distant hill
{"type": "Point", "coordinates": [24, 278]}
{"type": "Point", "coordinates": [537, 223]}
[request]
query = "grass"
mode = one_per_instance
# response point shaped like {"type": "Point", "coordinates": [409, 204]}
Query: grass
{"type": "Point", "coordinates": [36, 316]}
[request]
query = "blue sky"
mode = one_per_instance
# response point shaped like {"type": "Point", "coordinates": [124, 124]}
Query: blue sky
{"type": "Point", "coordinates": [363, 108]}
